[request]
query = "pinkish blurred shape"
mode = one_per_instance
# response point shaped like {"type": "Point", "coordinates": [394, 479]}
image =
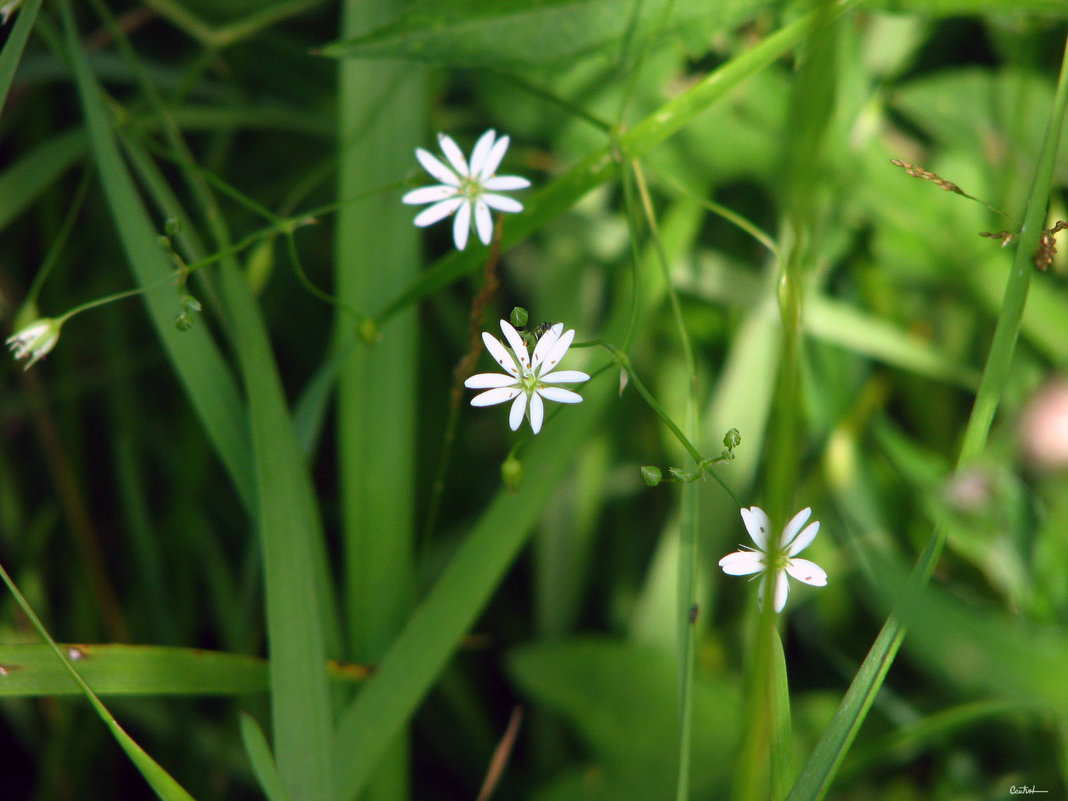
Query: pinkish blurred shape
{"type": "Point", "coordinates": [1044, 426]}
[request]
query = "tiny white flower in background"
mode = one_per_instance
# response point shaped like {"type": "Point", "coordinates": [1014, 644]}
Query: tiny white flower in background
{"type": "Point", "coordinates": [792, 542]}
{"type": "Point", "coordinates": [526, 379]}
{"type": "Point", "coordinates": [467, 190]}
{"type": "Point", "coordinates": [35, 340]}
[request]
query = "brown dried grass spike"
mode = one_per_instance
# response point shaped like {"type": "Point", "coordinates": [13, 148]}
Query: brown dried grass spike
{"type": "Point", "coordinates": [1047, 246]}
{"type": "Point", "coordinates": [926, 175]}
{"type": "Point", "coordinates": [1004, 236]}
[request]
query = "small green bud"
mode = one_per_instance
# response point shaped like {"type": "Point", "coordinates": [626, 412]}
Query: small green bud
{"type": "Point", "coordinates": [172, 226]}
{"type": "Point", "coordinates": [684, 476]}
{"type": "Point", "coordinates": [518, 318]}
{"type": "Point", "coordinates": [512, 474]}
{"type": "Point", "coordinates": [190, 306]}
{"type": "Point", "coordinates": [651, 475]}
{"type": "Point", "coordinates": [368, 331]}
{"type": "Point", "coordinates": [260, 265]}
{"type": "Point", "coordinates": [732, 439]}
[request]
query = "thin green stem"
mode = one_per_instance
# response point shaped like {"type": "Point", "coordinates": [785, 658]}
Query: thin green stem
{"type": "Point", "coordinates": [57, 244]}
{"type": "Point", "coordinates": [127, 293]}
{"type": "Point", "coordinates": [623, 361]}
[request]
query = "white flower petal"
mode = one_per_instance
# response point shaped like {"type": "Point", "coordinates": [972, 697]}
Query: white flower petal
{"type": "Point", "coordinates": [782, 589]}
{"type": "Point", "coordinates": [516, 342]}
{"type": "Point", "coordinates": [501, 203]}
{"type": "Point", "coordinates": [439, 211]}
{"type": "Point", "coordinates": [500, 354]}
{"type": "Point", "coordinates": [794, 526]}
{"type": "Point", "coordinates": [545, 343]}
{"type": "Point", "coordinates": [482, 150]}
{"type": "Point", "coordinates": [537, 412]}
{"type": "Point", "coordinates": [491, 397]}
{"type": "Point", "coordinates": [808, 572]}
{"type": "Point", "coordinates": [515, 416]}
{"type": "Point", "coordinates": [742, 563]}
{"type": "Point", "coordinates": [453, 154]}
{"type": "Point", "coordinates": [493, 159]}
{"type": "Point", "coordinates": [757, 524]}
{"type": "Point", "coordinates": [428, 194]}
{"type": "Point", "coordinates": [557, 351]}
{"type": "Point", "coordinates": [483, 221]}
{"type": "Point", "coordinates": [461, 225]}
{"type": "Point", "coordinates": [559, 394]}
{"type": "Point", "coordinates": [436, 167]}
{"type": "Point", "coordinates": [565, 377]}
{"type": "Point", "coordinates": [505, 183]}
{"type": "Point", "coordinates": [804, 539]}
{"type": "Point", "coordinates": [487, 380]}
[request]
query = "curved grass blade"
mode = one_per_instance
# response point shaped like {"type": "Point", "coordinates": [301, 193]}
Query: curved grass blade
{"type": "Point", "coordinates": [161, 781]}
{"type": "Point", "coordinates": [263, 765]}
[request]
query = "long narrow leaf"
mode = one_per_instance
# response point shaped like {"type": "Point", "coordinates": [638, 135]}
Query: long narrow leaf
{"type": "Point", "coordinates": [32, 670]}
{"type": "Point", "coordinates": [15, 44]}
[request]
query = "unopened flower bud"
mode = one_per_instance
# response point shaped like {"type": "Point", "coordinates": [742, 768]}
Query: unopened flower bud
{"type": "Point", "coordinates": [35, 340]}
{"type": "Point", "coordinates": [512, 474]}
{"type": "Point", "coordinates": [651, 475]}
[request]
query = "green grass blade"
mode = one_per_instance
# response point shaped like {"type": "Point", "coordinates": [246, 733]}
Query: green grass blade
{"type": "Point", "coordinates": [376, 256]}
{"type": "Point", "coordinates": [161, 781]}
{"type": "Point", "coordinates": [263, 765]}
{"type": "Point", "coordinates": [141, 670]}
{"type": "Point", "coordinates": [782, 754]}
{"type": "Point", "coordinates": [15, 44]}
{"type": "Point", "coordinates": [131, 670]}
{"type": "Point", "coordinates": [291, 536]}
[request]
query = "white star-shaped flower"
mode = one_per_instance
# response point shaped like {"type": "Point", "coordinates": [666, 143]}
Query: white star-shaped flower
{"type": "Point", "coordinates": [467, 190]}
{"type": "Point", "coordinates": [784, 561]}
{"type": "Point", "coordinates": [527, 377]}
{"type": "Point", "coordinates": [35, 340]}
